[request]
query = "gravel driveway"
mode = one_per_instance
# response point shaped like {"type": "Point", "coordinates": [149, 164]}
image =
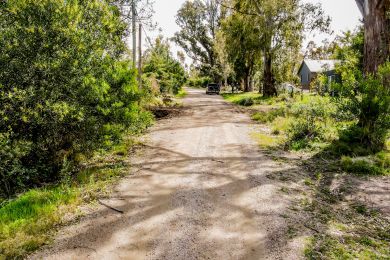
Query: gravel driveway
{"type": "Point", "coordinates": [201, 189]}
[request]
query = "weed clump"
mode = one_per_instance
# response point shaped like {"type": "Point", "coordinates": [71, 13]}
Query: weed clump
{"type": "Point", "coordinates": [377, 165]}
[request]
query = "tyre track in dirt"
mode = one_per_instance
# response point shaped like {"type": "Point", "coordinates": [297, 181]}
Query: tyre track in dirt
{"type": "Point", "coordinates": [201, 189]}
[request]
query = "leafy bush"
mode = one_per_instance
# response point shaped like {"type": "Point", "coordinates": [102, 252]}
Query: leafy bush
{"type": "Point", "coordinates": [246, 102]}
{"type": "Point", "coordinates": [310, 123]}
{"type": "Point", "coordinates": [199, 82]}
{"type": "Point", "coordinates": [368, 98]}
{"type": "Point", "coordinates": [64, 87]}
{"type": "Point", "coordinates": [168, 72]}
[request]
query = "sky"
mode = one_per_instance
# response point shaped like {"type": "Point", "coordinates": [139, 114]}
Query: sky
{"type": "Point", "coordinates": [344, 13]}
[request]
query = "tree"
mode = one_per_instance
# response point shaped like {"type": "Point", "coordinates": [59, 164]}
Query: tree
{"type": "Point", "coordinates": [242, 47]}
{"type": "Point", "coordinates": [281, 26]}
{"type": "Point", "coordinates": [199, 21]}
{"type": "Point", "coordinates": [220, 47]}
{"type": "Point", "coordinates": [160, 65]}
{"type": "Point", "coordinates": [323, 52]}
{"type": "Point", "coordinates": [65, 88]}
{"type": "Point", "coordinates": [377, 33]}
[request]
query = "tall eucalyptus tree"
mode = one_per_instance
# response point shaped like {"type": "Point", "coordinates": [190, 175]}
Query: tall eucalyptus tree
{"type": "Point", "coordinates": [377, 32]}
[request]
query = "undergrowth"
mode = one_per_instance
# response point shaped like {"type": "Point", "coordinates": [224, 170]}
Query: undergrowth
{"type": "Point", "coordinates": [182, 93]}
{"type": "Point", "coordinates": [28, 221]}
{"type": "Point", "coordinates": [312, 123]}
{"type": "Point", "coordinates": [343, 228]}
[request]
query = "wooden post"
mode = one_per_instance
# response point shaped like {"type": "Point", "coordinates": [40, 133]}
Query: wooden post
{"type": "Point", "coordinates": [134, 28]}
{"type": "Point", "coordinates": [140, 56]}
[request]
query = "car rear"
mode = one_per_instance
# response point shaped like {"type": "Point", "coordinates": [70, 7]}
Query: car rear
{"type": "Point", "coordinates": [213, 89]}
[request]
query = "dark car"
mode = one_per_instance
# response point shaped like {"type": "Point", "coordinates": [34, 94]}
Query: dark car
{"type": "Point", "coordinates": [213, 88]}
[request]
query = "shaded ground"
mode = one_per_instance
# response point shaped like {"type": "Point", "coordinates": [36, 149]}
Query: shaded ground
{"type": "Point", "coordinates": [200, 189]}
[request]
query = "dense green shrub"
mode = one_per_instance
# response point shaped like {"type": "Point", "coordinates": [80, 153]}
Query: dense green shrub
{"type": "Point", "coordinates": [367, 97]}
{"type": "Point", "coordinates": [199, 82]}
{"type": "Point", "coordinates": [64, 89]}
{"type": "Point", "coordinates": [246, 102]}
{"type": "Point", "coordinates": [310, 123]}
{"type": "Point", "coordinates": [168, 72]}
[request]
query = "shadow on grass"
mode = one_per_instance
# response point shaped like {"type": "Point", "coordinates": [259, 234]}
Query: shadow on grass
{"type": "Point", "coordinates": [348, 214]}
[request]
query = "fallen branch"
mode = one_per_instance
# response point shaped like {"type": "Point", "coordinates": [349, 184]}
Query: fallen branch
{"type": "Point", "coordinates": [311, 228]}
{"type": "Point", "coordinates": [114, 209]}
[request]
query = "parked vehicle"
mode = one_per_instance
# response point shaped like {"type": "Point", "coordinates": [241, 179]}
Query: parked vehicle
{"type": "Point", "coordinates": [213, 88]}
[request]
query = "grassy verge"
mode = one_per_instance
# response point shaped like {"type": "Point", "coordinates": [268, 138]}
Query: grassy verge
{"type": "Point", "coordinates": [28, 221]}
{"type": "Point", "coordinates": [243, 99]}
{"type": "Point", "coordinates": [341, 225]}
{"type": "Point", "coordinates": [182, 93]}
{"type": "Point", "coordinates": [310, 123]}
{"type": "Point", "coordinates": [344, 226]}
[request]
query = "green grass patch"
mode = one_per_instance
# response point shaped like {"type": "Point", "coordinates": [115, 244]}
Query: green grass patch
{"type": "Point", "coordinates": [268, 117]}
{"type": "Point", "coordinates": [325, 246]}
{"type": "Point", "coordinates": [280, 125]}
{"type": "Point", "coordinates": [182, 93]}
{"type": "Point", "coordinates": [28, 221]}
{"type": "Point", "coordinates": [243, 99]}
{"type": "Point", "coordinates": [267, 141]}
{"type": "Point", "coordinates": [369, 165]}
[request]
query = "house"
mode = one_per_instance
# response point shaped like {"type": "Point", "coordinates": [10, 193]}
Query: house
{"type": "Point", "coordinates": [309, 70]}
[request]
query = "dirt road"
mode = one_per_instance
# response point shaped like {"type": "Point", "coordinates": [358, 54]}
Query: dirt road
{"type": "Point", "coordinates": [202, 189]}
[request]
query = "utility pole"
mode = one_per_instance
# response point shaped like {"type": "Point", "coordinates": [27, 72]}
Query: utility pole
{"type": "Point", "coordinates": [140, 56]}
{"type": "Point", "coordinates": [134, 33]}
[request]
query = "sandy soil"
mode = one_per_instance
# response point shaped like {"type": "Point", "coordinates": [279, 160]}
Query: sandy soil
{"type": "Point", "coordinates": [202, 189]}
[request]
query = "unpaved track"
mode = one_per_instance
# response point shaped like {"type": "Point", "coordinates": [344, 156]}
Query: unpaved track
{"type": "Point", "coordinates": [201, 190]}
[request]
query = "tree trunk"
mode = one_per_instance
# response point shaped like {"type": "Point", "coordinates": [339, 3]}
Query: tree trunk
{"type": "Point", "coordinates": [247, 84]}
{"type": "Point", "coordinates": [377, 34]}
{"type": "Point", "coordinates": [269, 88]}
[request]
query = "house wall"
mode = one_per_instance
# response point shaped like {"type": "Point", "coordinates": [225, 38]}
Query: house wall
{"type": "Point", "coordinates": [305, 76]}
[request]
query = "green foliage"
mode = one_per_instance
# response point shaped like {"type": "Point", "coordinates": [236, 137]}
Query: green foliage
{"type": "Point", "coordinates": [368, 98]}
{"type": "Point", "coordinates": [199, 82]}
{"type": "Point", "coordinates": [311, 123]}
{"type": "Point", "coordinates": [267, 141]}
{"type": "Point", "coordinates": [182, 93]}
{"type": "Point", "coordinates": [199, 21]}
{"type": "Point", "coordinates": [241, 46]}
{"type": "Point", "coordinates": [378, 165]}
{"type": "Point", "coordinates": [64, 87]}
{"type": "Point", "coordinates": [25, 222]}
{"type": "Point", "coordinates": [160, 64]}
{"type": "Point", "coordinates": [240, 99]}
{"type": "Point", "coordinates": [270, 116]}
{"type": "Point", "coordinates": [246, 102]}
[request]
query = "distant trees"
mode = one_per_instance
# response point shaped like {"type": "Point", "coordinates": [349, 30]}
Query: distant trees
{"type": "Point", "coordinates": [199, 21]}
{"type": "Point", "coordinates": [271, 33]}
{"type": "Point", "coordinates": [241, 42]}
{"type": "Point", "coordinates": [261, 35]}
